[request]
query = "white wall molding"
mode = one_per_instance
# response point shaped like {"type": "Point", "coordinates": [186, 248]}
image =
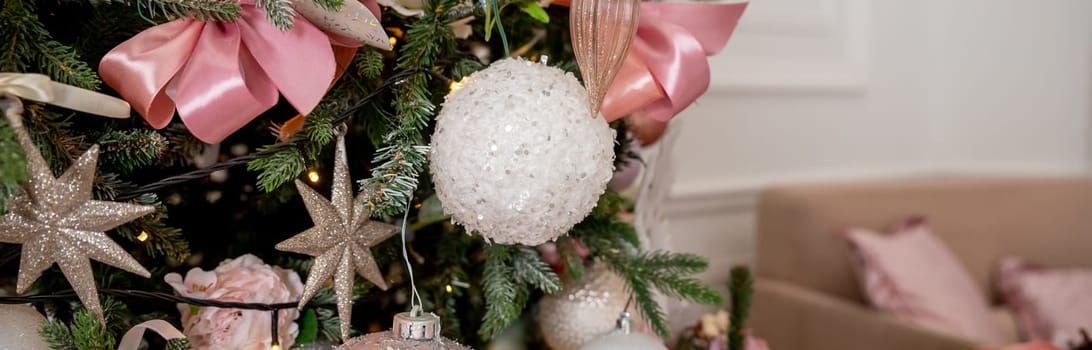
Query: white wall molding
{"type": "Point", "coordinates": [792, 47]}
{"type": "Point", "coordinates": [695, 198]}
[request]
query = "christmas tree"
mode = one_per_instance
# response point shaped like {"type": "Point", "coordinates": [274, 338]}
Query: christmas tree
{"type": "Point", "coordinates": [210, 189]}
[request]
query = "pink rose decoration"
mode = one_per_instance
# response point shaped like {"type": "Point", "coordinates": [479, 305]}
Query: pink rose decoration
{"type": "Point", "coordinates": [244, 279]}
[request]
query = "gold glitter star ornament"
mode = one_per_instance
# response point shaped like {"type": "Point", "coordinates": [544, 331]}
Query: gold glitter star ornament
{"type": "Point", "coordinates": [56, 221]}
{"type": "Point", "coordinates": [341, 240]}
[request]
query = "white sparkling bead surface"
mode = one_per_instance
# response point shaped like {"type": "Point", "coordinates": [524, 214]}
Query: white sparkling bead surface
{"type": "Point", "coordinates": [515, 155]}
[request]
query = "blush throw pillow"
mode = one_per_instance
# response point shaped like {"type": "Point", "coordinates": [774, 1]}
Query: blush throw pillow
{"type": "Point", "coordinates": [1051, 304]}
{"type": "Point", "coordinates": [912, 275]}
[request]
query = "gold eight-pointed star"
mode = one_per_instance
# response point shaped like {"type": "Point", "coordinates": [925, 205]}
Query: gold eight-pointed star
{"type": "Point", "coordinates": [56, 221]}
{"type": "Point", "coordinates": [340, 241]}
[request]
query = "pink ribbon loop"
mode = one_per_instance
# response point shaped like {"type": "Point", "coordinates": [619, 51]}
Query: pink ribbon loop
{"type": "Point", "coordinates": [667, 69]}
{"type": "Point", "coordinates": [220, 76]}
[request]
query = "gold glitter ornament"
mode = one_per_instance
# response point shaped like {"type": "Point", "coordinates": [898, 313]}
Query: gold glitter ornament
{"type": "Point", "coordinates": [341, 240]}
{"type": "Point", "coordinates": [411, 331]}
{"type": "Point", "coordinates": [56, 221]}
{"type": "Point", "coordinates": [353, 20]}
{"type": "Point", "coordinates": [602, 32]}
{"type": "Point", "coordinates": [584, 310]}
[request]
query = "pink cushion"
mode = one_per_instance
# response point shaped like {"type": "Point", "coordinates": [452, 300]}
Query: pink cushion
{"type": "Point", "coordinates": [911, 274]}
{"type": "Point", "coordinates": [1051, 304]}
{"type": "Point", "coordinates": [1027, 346]}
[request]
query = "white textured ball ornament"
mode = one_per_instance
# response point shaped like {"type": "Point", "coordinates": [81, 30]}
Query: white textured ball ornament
{"type": "Point", "coordinates": [584, 310]}
{"type": "Point", "coordinates": [516, 157]}
{"type": "Point", "coordinates": [20, 328]}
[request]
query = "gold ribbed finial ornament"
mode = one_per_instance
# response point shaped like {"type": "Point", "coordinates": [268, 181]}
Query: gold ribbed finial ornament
{"type": "Point", "coordinates": [602, 32]}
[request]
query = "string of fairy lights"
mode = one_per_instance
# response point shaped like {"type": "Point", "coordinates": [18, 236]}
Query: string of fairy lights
{"type": "Point", "coordinates": [312, 175]}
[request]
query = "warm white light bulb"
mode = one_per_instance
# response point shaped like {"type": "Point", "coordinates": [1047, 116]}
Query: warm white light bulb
{"type": "Point", "coordinates": [313, 176]}
{"type": "Point", "coordinates": [455, 85]}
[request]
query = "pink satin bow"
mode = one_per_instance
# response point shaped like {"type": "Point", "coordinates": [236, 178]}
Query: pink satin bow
{"type": "Point", "coordinates": [220, 76]}
{"type": "Point", "coordinates": [667, 67]}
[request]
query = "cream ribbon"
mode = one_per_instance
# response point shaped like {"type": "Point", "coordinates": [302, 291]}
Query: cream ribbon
{"type": "Point", "coordinates": [131, 339]}
{"type": "Point", "coordinates": [38, 87]}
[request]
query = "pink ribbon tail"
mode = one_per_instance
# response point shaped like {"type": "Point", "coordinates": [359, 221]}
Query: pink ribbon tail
{"type": "Point", "coordinates": [140, 69]}
{"type": "Point", "coordinates": [300, 62]}
{"type": "Point", "coordinates": [672, 45]}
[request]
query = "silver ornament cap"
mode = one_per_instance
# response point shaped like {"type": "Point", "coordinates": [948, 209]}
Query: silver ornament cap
{"type": "Point", "coordinates": [415, 325]}
{"type": "Point", "coordinates": [412, 330]}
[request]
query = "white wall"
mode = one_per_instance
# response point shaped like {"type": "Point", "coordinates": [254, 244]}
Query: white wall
{"type": "Point", "coordinates": [812, 90]}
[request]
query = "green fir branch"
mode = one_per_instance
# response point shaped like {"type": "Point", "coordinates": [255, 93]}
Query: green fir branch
{"type": "Point", "coordinates": [277, 169]}
{"type": "Point", "coordinates": [179, 344]}
{"type": "Point", "coordinates": [401, 161]}
{"type": "Point", "coordinates": [740, 288]}
{"type": "Point", "coordinates": [183, 146]}
{"type": "Point", "coordinates": [28, 47]}
{"type": "Point", "coordinates": [464, 67]}
{"type": "Point", "coordinates": [63, 64]}
{"type": "Point", "coordinates": [501, 292]}
{"type": "Point", "coordinates": [369, 63]}
{"type": "Point", "coordinates": [202, 10]}
{"type": "Point", "coordinates": [279, 12]}
{"type": "Point", "coordinates": [574, 264]}
{"type": "Point", "coordinates": [531, 270]}
{"type": "Point", "coordinates": [329, 324]}
{"type": "Point", "coordinates": [57, 335]}
{"type": "Point", "coordinates": [319, 127]}
{"type": "Point", "coordinates": [668, 271]}
{"type": "Point", "coordinates": [133, 149]}
{"type": "Point", "coordinates": [161, 240]}
{"type": "Point", "coordinates": [645, 302]}
{"type": "Point", "coordinates": [13, 167]}
{"type": "Point", "coordinates": [85, 332]}
{"type": "Point", "coordinates": [615, 242]}
{"type": "Point", "coordinates": [332, 5]}
{"type": "Point", "coordinates": [51, 132]}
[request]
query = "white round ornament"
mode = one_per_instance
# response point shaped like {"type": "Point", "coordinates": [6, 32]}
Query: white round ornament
{"type": "Point", "coordinates": [20, 330]}
{"type": "Point", "coordinates": [622, 338]}
{"type": "Point", "coordinates": [625, 341]}
{"type": "Point", "coordinates": [584, 310]}
{"type": "Point", "coordinates": [516, 157]}
{"type": "Point", "coordinates": [411, 331]}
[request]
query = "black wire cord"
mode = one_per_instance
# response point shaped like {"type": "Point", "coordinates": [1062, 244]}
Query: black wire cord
{"type": "Point", "coordinates": [294, 143]}
{"type": "Point", "coordinates": [128, 293]}
{"type": "Point", "coordinates": [201, 173]}
{"type": "Point", "coordinates": [273, 309]}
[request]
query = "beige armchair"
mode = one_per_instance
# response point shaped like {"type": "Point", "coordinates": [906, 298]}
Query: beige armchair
{"type": "Point", "coordinates": [807, 297]}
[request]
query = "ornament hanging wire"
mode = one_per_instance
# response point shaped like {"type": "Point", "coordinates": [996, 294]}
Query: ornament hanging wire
{"type": "Point", "coordinates": [415, 297]}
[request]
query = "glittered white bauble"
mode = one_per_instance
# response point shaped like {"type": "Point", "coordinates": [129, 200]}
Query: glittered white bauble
{"type": "Point", "coordinates": [20, 328]}
{"type": "Point", "coordinates": [410, 332]}
{"type": "Point", "coordinates": [516, 157]}
{"type": "Point", "coordinates": [584, 310]}
{"type": "Point", "coordinates": [619, 340]}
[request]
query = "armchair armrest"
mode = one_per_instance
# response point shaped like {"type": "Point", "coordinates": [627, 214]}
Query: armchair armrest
{"type": "Point", "coordinates": [791, 317]}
